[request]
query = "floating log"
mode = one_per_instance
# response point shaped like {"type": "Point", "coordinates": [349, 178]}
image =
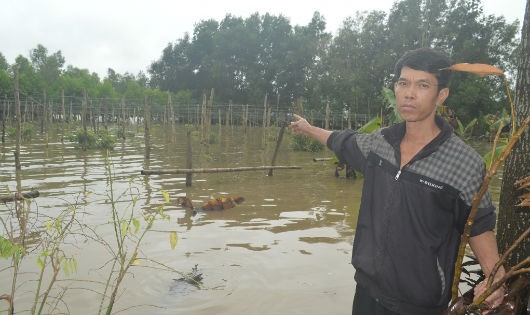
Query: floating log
{"type": "Point", "coordinates": [215, 170]}
{"type": "Point", "coordinates": [321, 159]}
{"type": "Point", "coordinates": [21, 196]}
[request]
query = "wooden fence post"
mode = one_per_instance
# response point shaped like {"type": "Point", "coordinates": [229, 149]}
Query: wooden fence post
{"type": "Point", "coordinates": [326, 126]}
{"type": "Point", "coordinates": [188, 158]}
{"type": "Point", "coordinates": [4, 119]}
{"type": "Point", "coordinates": [18, 125]}
{"type": "Point", "coordinates": [147, 124]}
{"type": "Point", "coordinates": [276, 149]}
{"type": "Point", "coordinates": [63, 116]}
{"type": "Point", "coordinates": [265, 110]}
{"type": "Point", "coordinates": [84, 104]}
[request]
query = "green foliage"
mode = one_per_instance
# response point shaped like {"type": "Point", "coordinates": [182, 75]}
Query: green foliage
{"type": "Point", "coordinates": [494, 122]}
{"type": "Point", "coordinates": [6, 86]}
{"type": "Point", "coordinates": [467, 131]}
{"type": "Point", "coordinates": [100, 140]}
{"type": "Point", "coordinates": [390, 100]}
{"type": "Point", "coordinates": [8, 249]}
{"type": "Point", "coordinates": [26, 132]}
{"type": "Point", "coordinates": [212, 139]}
{"type": "Point", "coordinates": [303, 143]}
{"type": "Point", "coordinates": [371, 126]}
{"type": "Point", "coordinates": [245, 58]}
{"type": "Point", "coordinates": [128, 236]}
{"type": "Point", "coordinates": [498, 150]}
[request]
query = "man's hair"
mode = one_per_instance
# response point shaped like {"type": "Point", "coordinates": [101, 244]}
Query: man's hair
{"type": "Point", "coordinates": [428, 60]}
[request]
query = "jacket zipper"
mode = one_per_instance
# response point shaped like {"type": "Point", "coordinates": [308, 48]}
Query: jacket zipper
{"type": "Point", "coordinates": [401, 169]}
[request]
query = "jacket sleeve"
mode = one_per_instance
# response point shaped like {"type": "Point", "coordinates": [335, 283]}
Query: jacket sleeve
{"type": "Point", "coordinates": [344, 145]}
{"type": "Point", "coordinates": [484, 221]}
{"type": "Point", "coordinates": [485, 218]}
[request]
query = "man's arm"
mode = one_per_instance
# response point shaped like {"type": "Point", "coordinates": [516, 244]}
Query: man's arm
{"type": "Point", "coordinates": [302, 127]}
{"type": "Point", "coordinates": [484, 247]}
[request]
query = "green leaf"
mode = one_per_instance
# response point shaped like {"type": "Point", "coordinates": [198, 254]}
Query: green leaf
{"type": "Point", "coordinates": [487, 157]}
{"type": "Point", "coordinates": [136, 224]}
{"type": "Point", "coordinates": [173, 239]}
{"type": "Point", "coordinates": [40, 263]}
{"type": "Point", "coordinates": [49, 224]}
{"type": "Point", "coordinates": [371, 126]}
{"type": "Point", "coordinates": [124, 228]}
{"type": "Point", "coordinates": [64, 266]}
{"type": "Point", "coordinates": [166, 195]}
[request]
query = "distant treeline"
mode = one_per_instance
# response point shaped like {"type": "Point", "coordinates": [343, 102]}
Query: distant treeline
{"type": "Point", "coordinates": [245, 59]}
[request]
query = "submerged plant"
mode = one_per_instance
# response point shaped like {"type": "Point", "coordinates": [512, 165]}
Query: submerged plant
{"type": "Point", "coordinates": [26, 132]}
{"type": "Point", "coordinates": [93, 140]}
{"type": "Point", "coordinates": [303, 143]}
{"type": "Point", "coordinates": [130, 227]}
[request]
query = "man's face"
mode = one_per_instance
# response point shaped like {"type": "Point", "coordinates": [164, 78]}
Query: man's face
{"type": "Point", "coordinates": [417, 95]}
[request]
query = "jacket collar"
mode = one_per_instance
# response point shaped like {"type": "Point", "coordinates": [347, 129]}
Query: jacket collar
{"type": "Point", "coordinates": [394, 134]}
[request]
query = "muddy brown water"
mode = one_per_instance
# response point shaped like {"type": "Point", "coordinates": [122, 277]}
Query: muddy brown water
{"type": "Point", "coordinates": [285, 250]}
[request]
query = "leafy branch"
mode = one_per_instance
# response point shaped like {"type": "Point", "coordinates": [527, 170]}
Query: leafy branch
{"type": "Point", "coordinates": [474, 209]}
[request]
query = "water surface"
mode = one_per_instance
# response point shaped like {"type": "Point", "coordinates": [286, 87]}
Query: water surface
{"type": "Point", "coordinates": [285, 250]}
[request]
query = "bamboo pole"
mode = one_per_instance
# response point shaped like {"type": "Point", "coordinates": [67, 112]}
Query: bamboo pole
{"type": "Point", "coordinates": [4, 120]}
{"type": "Point", "coordinates": [209, 107]}
{"type": "Point", "coordinates": [147, 126]}
{"type": "Point", "coordinates": [172, 117]}
{"type": "Point", "coordinates": [43, 115]}
{"type": "Point", "coordinates": [216, 170]}
{"type": "Point", "coordinates": [63, 116]}
{"type": "Point", "coordinates": [228, 120]}
{"type": "Point", "coordinates": [276, 149]}
{"type": "Point", "coordinates": [265, 110]}
{"type": "Point", "coordinates": [321, 159]}
{"type": "Point", "coordinates": [18, 125]}
{"type": "Point", "coordinates": [203, 117]}
{"type": "Point", "coordinates": [50, 116]}
{"type": "Point", "coordinates": [188, 158]}
{"type": "Point", "coordinates": [277, 108]}
{"type": "Point", "coordinates": [105, 115]}
{"type": "Point", "coordinates": [326, 126]}
{"type": "Point", "coordinates": [25, 116]}
{"type": "Point", "coordinates": [70, 116]}
{"type": "Point", "coordinates": [83, 120]}
{"type": "Point", "coordinates": [122, 120]}
{"type": "Point", "coordinates": [92, 119]}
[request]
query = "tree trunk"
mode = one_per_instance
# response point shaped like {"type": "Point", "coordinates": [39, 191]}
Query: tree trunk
{"type": "Point", "coordinates": [514, 220]}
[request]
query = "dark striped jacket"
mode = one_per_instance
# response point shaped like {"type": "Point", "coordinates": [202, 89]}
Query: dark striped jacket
{"type": "Point", "coordinates": [410, 220]}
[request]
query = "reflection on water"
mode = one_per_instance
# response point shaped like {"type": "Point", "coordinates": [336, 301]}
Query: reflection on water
{"type": "Point", "coordinates": [285, 249]}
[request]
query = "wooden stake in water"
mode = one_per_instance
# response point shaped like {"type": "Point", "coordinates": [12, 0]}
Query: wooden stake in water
{"type": "Point", "coordinates": [188, 158]}
{"type": "Point", "coordinates": [276, 149]}
{"type": "Point", "coordinates": [147, 127]}
{"type": "Point", "coordinates": [18, 126]}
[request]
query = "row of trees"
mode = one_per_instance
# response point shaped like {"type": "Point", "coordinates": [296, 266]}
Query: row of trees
{"type": "Point", "coordinates": [245, 58]}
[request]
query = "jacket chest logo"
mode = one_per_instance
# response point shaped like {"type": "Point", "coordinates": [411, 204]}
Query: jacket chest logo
{"type": "Point", "coordinates": [430, 184]}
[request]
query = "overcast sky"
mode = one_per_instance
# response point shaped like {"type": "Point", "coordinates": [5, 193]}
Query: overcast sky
{"type": "Point", "coordinates": [128, 35]}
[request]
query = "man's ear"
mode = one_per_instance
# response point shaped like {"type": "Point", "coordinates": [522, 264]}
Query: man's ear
{"type": "Point", "coordinates": [442, 96]}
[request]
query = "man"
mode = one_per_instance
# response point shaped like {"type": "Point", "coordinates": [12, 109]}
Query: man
{"type": "Point", "coordinates": [419, 181]}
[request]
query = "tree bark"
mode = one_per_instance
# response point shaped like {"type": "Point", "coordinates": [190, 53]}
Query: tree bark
{"type": "Point", "coordinates": [512, 220]}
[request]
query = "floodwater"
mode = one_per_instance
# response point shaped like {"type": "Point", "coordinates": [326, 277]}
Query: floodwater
{"type": "Point", "coordinates": [285, 250]}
